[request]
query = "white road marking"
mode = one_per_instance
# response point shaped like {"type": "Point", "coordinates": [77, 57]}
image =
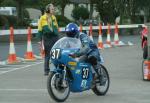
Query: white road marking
{"type": "Point", "coordinates": [25, 90]}
{"type": "Point", "coordinates": [5, 68]}
{"type": "Point", "coordinates": [14, 66]}
{"type": "Point", "coordinates": [20, 68]}
{"type": "Point", "coordinates": [2, 72]}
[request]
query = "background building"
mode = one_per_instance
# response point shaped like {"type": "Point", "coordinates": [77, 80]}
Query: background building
{"type": "Point", "coordinates": [8, 11]}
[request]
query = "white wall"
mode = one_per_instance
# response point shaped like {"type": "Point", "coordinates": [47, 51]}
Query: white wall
{"type": "Point", "coordinates": [34, 13]}
{"type": "Point", "coordinates": [68, 11]}
{"type": "Point", "coordinates": [69, 8]}
{"type": "Point", "coordinates": [8, 11]}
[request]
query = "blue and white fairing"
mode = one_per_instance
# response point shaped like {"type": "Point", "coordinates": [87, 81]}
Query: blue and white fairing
{"type": "Point", "coordinates": [80, 71]}
{"type": "Point", "coordinates": [62, 48]}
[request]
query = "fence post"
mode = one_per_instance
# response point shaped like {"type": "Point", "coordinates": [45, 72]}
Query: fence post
{"type": "Point", "coordinates": [146, 63]}
{"type": "Point", "coordinates": [148, 38]}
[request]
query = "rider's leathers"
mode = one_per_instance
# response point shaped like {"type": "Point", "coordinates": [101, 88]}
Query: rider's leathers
{"type": "Point", "coordinates": [88, 47]}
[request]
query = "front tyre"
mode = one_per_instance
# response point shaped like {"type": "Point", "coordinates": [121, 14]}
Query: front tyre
{"type": "Point", "coordinates": [55, 88]}
{"type": "Point", "coordinates": [102, 86]}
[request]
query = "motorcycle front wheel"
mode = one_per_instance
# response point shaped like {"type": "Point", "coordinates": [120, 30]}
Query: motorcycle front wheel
{"type": "Point", "coordinates": [55, 89]}
{"type": "Point", "coordinates": [102, 86]}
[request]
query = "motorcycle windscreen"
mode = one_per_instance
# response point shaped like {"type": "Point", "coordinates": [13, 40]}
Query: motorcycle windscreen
{"type": "Point", "coordinates": [67, 43]}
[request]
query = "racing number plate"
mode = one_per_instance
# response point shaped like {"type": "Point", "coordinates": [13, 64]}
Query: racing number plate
{"type": "Point", "coordinates": [55, 53]}
{"type": "Point", "coordinates": [85, 73]}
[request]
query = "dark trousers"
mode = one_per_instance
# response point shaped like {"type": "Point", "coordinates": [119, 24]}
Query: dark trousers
{"type": "Point", "coordinates": [48, 44]}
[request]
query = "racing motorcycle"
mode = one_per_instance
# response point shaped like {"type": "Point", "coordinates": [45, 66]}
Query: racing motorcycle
{"type": "Point", "coordinates": [144, 42]}
{"type": "Point", "coordinates": [69, 74]}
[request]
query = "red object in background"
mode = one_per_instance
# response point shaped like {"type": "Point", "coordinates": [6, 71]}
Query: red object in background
{"type": "Point", "coordinates": [144, 42]}
{"type": "Point", "coordinates": [146, 70]}
{"type": "Point", "coordinates": [144, 37]}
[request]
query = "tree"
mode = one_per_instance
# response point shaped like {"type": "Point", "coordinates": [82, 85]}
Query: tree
{"type": "Point", "coordinates": [106, 10]}
{"type": "Point", "coordinates": [7, 3]}
{"type": "Point", "coordinates": [122, 9]}
{"type": "Point", "coordinates": [62, 4]}
{"type": "Point", "coordinates": [20, 6]}
{"type": "Point", "coordinates": [80, 12]}
{"type": "Point", "coordinates": [40, 4]}
{"type": "Point", "coordinates": [143, 5]}
{"type": "Point", "coordinates": [92, 2]}
{"type": "Point", "coordinates": [131, 9]}
{"type": "Point", "coordinates": [1, 1]}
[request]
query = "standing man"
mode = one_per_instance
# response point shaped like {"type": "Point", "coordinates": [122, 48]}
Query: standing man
{"type": "Point", "coordinates": [48, 31]}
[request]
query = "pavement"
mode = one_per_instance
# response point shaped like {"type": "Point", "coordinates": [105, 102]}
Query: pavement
{"type": "Point", "coordinates": [25, 82]}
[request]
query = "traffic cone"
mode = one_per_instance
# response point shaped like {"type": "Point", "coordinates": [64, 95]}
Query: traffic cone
{"type": "Point", "coordinates": [108, 41]}
{"type": "Point", "coordinates": [90, 32]}
{"type": "Point", "coordinates": [100, 41]}
{"type": "Point", "coordinates": [146, 70]}
{"type": "Point", "coordinates": [116, 37]}
{"type": "Point", "coordinates": [12, 58]}
{"type": "Point", "coordinates": [58, 29]}
{"type": "Point", "coordinates": [42, 53]}
{"type": "Point", "coordinates": [80, 27]}
{"type": "Point", "coordinates": [29, 56]}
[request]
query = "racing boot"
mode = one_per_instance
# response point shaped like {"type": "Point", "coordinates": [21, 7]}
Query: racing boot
{"type": "Point", "coordinates": [100, 76]}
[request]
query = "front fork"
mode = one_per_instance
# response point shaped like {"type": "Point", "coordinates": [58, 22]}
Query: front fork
{"type": "Point", "coordinates": [99, 73]}
{"type": "Point", "coordinates": [64, 83]}
{"type": "Point", "coordinates": [98, 70]}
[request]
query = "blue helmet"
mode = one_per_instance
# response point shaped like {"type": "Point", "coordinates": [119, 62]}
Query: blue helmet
{"type": "Point", "coordinates": [72, 30]}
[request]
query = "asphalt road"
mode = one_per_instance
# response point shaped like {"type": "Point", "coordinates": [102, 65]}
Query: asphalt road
{"type": "Point", "coordinates": [25, 82]}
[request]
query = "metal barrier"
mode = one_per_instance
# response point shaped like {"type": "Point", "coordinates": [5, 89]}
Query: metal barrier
{"type": "Point", "coordinates": [101, 45]}
{"type": "Point", "coordinates": [148, 37]}
{"type": "Point", "coordinates": [62, 29]}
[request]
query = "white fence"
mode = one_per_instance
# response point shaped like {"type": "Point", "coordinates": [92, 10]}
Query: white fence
{"type": "Point", "coordinates": [25, 31]}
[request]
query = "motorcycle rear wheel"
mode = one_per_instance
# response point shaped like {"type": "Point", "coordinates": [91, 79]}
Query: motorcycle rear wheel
{"type": "Point", "coordinates": [101, 89]}
{"type": "Point", "coordinates": [55, 90]}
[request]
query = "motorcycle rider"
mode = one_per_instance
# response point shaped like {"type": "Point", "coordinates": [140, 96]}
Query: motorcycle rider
{"type": "Point", "coordinates": [88, 49]}
{"type": "Point", "coordinates": [144, 35]}
{"type": "Point", "coordinates": [144, 31]}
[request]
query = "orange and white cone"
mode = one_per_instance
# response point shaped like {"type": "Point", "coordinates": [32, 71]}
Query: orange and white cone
{"type": "Point", "coordinates": [80, 27]}
{"type": "Point", "coordinates": [12, 58]}
{"type": "Point", "coordinates": [100, 41]}
{"type": "Point", "coordinates": [42, 53]}
{"type": "Point", "coordinates": [116, 37]}
{"type": "Point", "coordinates": [29, 56]}
{"type": "Point", "coordinates": [59, 29]}
{"type": "Point", "coordinates": [90, 32]}
{"type": "Point", "coordinates": [108, 41]}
